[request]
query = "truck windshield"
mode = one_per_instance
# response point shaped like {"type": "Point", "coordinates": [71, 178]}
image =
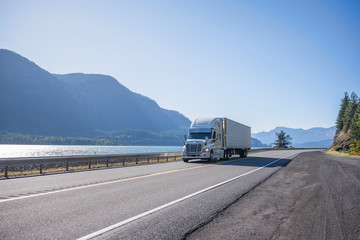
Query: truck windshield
{"type": "Point", "coordinates": [199, 135]}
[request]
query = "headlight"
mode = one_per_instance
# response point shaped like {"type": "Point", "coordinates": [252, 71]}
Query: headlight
{"type": "Point", "coordinates": [206, 150]}
{"type": "Point", "coordinates": [183, 149]}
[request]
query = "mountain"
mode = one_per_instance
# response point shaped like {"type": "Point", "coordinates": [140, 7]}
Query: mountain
{"type": "Point", "coordinates": [313, 137]}
{"type": "Point", "coordinates": [318, 144]}
{"type": "Point", "coordinates": [109, 106]}
{"type": "Point", "coordinates": [257, 143]}
{"type": "Point", "coordinates": [34, 101]}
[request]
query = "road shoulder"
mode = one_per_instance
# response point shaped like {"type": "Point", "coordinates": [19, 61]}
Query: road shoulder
{"type": "Point", "coordinates": [316, 196]}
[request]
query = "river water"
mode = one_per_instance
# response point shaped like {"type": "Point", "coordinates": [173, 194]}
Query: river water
{"type": "Point", "coordinates": [15, 150]}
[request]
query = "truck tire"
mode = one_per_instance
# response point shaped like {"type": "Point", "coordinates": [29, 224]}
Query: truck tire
{"type": "Point", "coordinates": [185, 160]}
{"type": "Point", "coordinates": [242, 153]}
{"type": "Point", "coordinates": [211, 159]}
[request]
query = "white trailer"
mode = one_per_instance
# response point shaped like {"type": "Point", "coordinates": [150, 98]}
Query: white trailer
{"type": "Point", "coordinates": [216, 138]}
{"type": "Point", "coordinates": [236, 135]}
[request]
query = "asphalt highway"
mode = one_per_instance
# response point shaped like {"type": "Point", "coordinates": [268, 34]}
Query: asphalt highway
{"type": "Point", "coordinates": [316, 196]}
{"type": "Point", "coordinates": [155, 201]}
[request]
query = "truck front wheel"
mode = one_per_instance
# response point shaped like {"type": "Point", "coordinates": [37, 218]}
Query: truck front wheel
{"type": "Point", "coordinates": [212, 156]}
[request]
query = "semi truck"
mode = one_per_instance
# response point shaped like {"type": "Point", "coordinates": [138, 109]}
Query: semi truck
{"type": "Point", "coordinates": [216, 138]}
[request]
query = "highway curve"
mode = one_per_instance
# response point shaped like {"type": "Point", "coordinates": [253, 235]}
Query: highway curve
{"type": "Point", "coordinates": [156, 201]}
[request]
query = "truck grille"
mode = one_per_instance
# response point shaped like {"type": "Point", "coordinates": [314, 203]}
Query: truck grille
{"type": "Point", "coordinates": [193, 148]}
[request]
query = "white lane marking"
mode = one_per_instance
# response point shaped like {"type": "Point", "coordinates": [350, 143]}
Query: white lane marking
{"type": "Point", "coordinates": [100, 184]}
{"type": "Point", "coordinates": [105, 183]}
{"type": "Point", "coordinates": [119, 224]}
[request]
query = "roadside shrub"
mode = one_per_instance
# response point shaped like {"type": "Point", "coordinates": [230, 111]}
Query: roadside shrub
{"type": "Point", "coordinates": [355, 148]}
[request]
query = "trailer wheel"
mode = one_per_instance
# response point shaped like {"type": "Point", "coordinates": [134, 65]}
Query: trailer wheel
{"type": "Point", "coordinates": [242, 153]}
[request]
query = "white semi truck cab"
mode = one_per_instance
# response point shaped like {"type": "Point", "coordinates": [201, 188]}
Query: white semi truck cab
{"type": "Point", "coordinates": [216, 138]}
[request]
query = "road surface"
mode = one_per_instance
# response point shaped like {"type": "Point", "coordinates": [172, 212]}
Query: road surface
{"type": "Point", "coordinates": [156, 201]}
{"type": "Point", "coordinates": [316, 196]}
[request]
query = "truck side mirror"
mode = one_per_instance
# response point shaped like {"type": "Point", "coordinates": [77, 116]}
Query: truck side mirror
{"type": "Point", "coordinates": [184, 139]}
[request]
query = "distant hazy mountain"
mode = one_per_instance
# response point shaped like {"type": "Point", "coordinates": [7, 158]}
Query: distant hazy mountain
{"type": "Point", "coordinates": [257, 143]}
{"type": "Point", "coordinates": [313, 137]}
{"type": "Point", "coordinates": [318, 144]}
{"type": "Point", "coordinates": [34, 101]}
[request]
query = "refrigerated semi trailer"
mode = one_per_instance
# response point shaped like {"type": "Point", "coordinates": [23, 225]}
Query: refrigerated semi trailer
{"type": "Point", "coordinates": [216, 138]}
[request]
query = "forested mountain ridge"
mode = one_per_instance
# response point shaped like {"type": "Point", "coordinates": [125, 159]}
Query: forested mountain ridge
{"type": "Point", "coordinates": [38, 107]}
{"type": "Point", "coordinates": [34, 101]}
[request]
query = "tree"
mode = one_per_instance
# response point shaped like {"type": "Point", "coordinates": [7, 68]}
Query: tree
{"type": "Point", "coordinates": [355, 147]}
{"type": "Point", "coordinates": [340, 118]}
{"type": "Point", "coordinates": [350, 111]}
{"type": "Point", "coordinates": [283, 140]}
{"type": "Point", "coordinates": [348, 121]}
{"type": "Point", "coordinates": [354, 127]}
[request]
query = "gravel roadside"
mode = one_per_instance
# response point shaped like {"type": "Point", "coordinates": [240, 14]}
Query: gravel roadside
{"type": "Point", "coordinates": [316, 196]}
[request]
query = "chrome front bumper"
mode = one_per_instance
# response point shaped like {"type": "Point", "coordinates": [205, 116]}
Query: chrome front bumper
{"type": "Point", "coordinates": [202, 155]}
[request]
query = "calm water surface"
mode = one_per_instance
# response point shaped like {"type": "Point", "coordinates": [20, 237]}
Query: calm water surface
{"type": "Point", "coordinates": [14, 150]}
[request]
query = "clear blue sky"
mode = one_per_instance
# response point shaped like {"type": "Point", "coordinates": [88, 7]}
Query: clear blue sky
{"type": "Point", "coordinates": [262, 63]}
